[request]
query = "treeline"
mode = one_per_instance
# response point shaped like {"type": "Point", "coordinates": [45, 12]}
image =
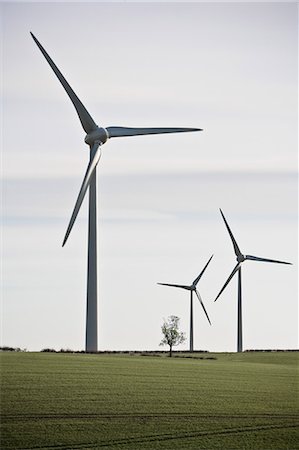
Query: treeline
{"type": "Point", "coordinates": [155, 352]}
{"type": "Point", "coordinates": [121, 352]}
{"type": "Point", "coordinates": [133, 352]}
{"type": "Point", "coordinates": [12, 349]}
{"type": "Point", "coordinates": [274, 350]}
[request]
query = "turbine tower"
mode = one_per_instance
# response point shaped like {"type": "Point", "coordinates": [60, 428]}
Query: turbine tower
{"type": "Point", "coordinates": [192, 288]}
{"type": "Point", "coordinates": [240, 259]}
{"type": "Point", "coordinates": [95, 137]}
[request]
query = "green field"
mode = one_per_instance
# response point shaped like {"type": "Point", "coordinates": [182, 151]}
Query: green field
{"type": "Point", "coordinates": [78, 401]}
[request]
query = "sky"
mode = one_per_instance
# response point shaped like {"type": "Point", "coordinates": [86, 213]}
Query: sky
{"type": "Point", "coordinates": [228, 68]}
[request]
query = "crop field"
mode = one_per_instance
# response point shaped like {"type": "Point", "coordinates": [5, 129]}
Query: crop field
{"type": "Point", "coordinates": [77, 401]}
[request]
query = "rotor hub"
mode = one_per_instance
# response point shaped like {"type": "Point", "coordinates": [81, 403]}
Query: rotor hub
{"type": "Point", "coordinates": [99, 134]}
{"type": "Point", "coordinates": [240, 258]}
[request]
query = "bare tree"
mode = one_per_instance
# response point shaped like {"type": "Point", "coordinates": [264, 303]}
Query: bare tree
{"type": "Point", "coordinates": [172, 335]}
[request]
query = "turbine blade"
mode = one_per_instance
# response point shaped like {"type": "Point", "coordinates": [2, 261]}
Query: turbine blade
{"type": "Point", "coordinates": [86, 120]}
{"type": "Point", "coordinates": [256, 258]}
{"type": "Point", "coordinates": [96, 152]}
{"type": "Point", "coordinates": [236, 268]}
{"type": "Point", "coordinates": [175, 285]}
{"type": "Point", "coordinates": [125, 131]}
{"type": "Point", "coordinates": [201, 273]}
{"type": "Point", "coordinates": [236, 248]}
{"type": "Point", "coordinates": [203, 306]}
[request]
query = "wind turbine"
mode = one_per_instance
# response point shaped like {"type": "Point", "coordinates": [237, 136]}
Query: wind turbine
{"type": "Point", "coordinates": [95, 137]}
{"type": "Point", "coordinates": [240, 259]}
{"type": "Point", "coordinates": [192, 288]}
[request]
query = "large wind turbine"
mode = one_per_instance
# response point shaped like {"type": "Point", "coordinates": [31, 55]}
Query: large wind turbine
{"type": "Point", "coordinates": [95, 137]}
{"type": "Point", "coordinates": [192, 288]}
{"type": "Point", "coordinates": [240, 259]}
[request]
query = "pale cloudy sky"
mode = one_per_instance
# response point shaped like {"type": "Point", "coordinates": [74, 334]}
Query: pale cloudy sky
{"type": "Point", "coordinates": [229, 68]}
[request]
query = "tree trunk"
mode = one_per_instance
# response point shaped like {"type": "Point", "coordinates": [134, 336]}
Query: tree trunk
{"type": "Point", "coordinates": [170, 351]}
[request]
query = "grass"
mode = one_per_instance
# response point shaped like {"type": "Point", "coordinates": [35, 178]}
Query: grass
{"type": "Point", "coordinates": [77, 401]}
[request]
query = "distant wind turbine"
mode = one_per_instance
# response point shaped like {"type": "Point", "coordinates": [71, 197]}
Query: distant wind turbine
{"type": "Point", "coordinates": [240, 259]}
{"type": "Point", "coordinates": [95, 138]}
{"type": "Point", "coordinates": [192, 288]}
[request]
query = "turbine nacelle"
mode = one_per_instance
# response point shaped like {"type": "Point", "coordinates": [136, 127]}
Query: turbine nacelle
{"type": "Point", "coordinates": [98, 135]}
{"type": "Point", "coordinates": [241, 258]}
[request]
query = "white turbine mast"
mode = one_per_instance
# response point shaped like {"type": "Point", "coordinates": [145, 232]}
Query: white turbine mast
{"type": "Point", "coordinates": [192, 288]}
{"type": "Point", "coordinates": [95, 137]}
{"type": "Point", "coordinates": [240, 259]}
